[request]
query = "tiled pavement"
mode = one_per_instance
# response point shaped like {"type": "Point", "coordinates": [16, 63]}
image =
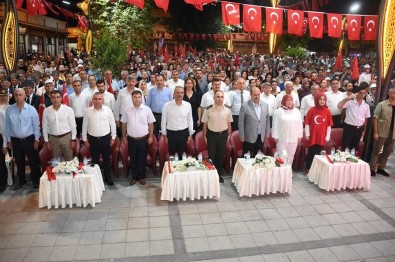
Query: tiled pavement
{"type": "Point", "coordinates": [132, 224]}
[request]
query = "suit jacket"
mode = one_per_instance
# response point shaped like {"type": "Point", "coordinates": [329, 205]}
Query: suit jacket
{"type": "Point", "coordinates": [249, 124]}
{"type": "Point", "coordinates": [35, 102]}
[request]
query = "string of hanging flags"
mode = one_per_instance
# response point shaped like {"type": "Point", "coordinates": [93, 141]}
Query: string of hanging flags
{"type": "Point", "coordinates": [297, 23]}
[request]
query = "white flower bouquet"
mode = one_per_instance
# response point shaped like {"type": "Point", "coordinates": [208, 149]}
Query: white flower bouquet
{"type": "Point", "coordinates": [341, 156]}
{"type": "Point", "coordinates": [67, 167]}
{"type": "Point", "coordinates": [262, 161]}
{"type": "Point", "coordinates": [189, 163]}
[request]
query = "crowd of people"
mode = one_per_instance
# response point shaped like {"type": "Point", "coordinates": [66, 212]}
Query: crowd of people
{"type": "Point", "coordinates": [216, 92]}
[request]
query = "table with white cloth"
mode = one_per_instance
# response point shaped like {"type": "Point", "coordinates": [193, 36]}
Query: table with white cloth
{"type": "Point", "coordinates": [250, 180]}
{"type": "Point", "coordinates": [189, 184]}
{"type": "Point", "coordinates": [82, 189]}
{"type": "Point", "coordinates": [339, 175]}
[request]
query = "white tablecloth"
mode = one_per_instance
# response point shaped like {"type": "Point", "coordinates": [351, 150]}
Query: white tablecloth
{"type": "Point", "coordinates": [339, 175]}
{"type": "Point", "coordinates": [189, 184]}
{"type": "Point", "coordinates": [259, 181]}
{"type": "Point", "coordinates": [81, 190]}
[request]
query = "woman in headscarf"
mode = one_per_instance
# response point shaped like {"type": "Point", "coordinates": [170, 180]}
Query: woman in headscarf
{"type": "Point", "coordinates": [318, 124]}
{"type": "Point", "coordinates": [287, 128]}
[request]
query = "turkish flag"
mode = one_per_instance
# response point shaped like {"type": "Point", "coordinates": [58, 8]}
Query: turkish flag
{"type": "Point", "coordinates": [109, 85]}
{"type": "Point", "coordinates": [230, 13]}
{"type": "Point", "coordinates": [274, 20]}
{"type": "Point", "coordinates": [41, 110]}
{"type": "Point", "coordinates": [65, 96]}
{"type": "Point", "coordinates": [252, 18]}
{"type": "Point", "coordinates": [19, 3]}
{"type": "Point", "coordinates": [354, 27]}
{"type": "Point", "coordinates": [138, 3]}
{"type": "Point", "coordinates": [316, 24]}
{"type": "Point", "coordinates": [166, 55]}
{"type": "Point", "coordinates": [35, 7]}
{"type": "Point", "coordinates": [163, 4]}
{"type": "Point", "coordinates": [334, 25]}
{"type": "Point", "coordinates": [198, 4]}
{"type": "Point", "coordinates": [354, 68]}
{"type": "Point", "coordinates": [295, 22]}
{"type": "Point", "coordinates": [370, 27]}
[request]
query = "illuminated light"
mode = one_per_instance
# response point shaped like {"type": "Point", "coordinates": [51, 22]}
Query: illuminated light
{"type": "Point", "coordinates": [355, 7]}
{"type": "Point", "coordinates": [66, 2]}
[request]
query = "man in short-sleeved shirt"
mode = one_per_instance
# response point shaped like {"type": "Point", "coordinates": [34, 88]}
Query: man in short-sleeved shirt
{"type": "Point", "coordinates": [217, 128]}
{"type": "Point", "coordinates": [137, 133]}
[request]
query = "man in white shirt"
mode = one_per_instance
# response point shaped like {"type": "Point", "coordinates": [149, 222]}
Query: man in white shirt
{"type": "Point", "coordinates": [109, 99]}
{"type": "Point", "coordinates": [92, 86]}
{"type": "Point", "coordinates": [270, 99]}
{"type": "Point", "coordinates": [357, 113]}
{"type": "Point", "coordinates": [366, 75]}
{"type": "Point", "coordinates": [174, 81]}
{"type": "Point", "coordinates": [308, 101]}
{"type": "Point", "coordinates": [79, 102]}
{"type": "Point", "coordinates": [137, 133]}
{"type": "Point", "coordinates": [333, 98]}
{"type": "Point", "coordinates": [124, 99]}
{"type": "Point", "coordinates": [208, 98]}
{"type": "Point", "coordinates": [59, 128]}
{"type": "Point", "coordinates": [177, 122]}
{"type": "Point", "coordinates": [288, 89]}
{"type": "Point", "coordinates": [99, 133]}
{"type": "Point", "coordinates": [237, 99]}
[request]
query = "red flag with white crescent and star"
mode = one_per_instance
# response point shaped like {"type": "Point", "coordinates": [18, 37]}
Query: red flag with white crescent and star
{"type": "Point", "coordinates": [334, 25]}
{"type": "Point", "coordinates": [65, 96]}
{"type": "Point", "coordinates": [355, 68]}
{"type": "Point", "coordinates": [274, 20]}
{"type": "Point", "coordinates": [370, 27]}
{"type": "Point", "coordinates": [339, 61]}
{"type": "Point", "coordinates": [354, 27]}
{"type": "Point", "coordinates": [35, 7]}
{"type": "Point", "coordinates": [198, 4]}
{"type": "Point", "coordinates": [252, 18]}
{"type": "Point", "coordinates": [41, 109]}
{"type": "Point", "coordinates": [295, 22]}
{"type": "Point", "coordinates": [230, 13]}
{"type": "Point", "coordinates": [316, 24]}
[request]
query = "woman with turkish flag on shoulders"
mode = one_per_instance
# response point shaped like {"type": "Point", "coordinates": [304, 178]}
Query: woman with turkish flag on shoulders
{"type": "Point", "coordinates": [318, 122]}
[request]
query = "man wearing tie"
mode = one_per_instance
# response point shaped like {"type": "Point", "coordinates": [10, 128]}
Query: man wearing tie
{"type": "Point", "coordinates": [31, 98]}
{"type": "Point", "coordinates": [237, 99]}
{"type": "Point", "coordinates": [254, 123]}
{"type": "Point", "coordinates": [58, 84]}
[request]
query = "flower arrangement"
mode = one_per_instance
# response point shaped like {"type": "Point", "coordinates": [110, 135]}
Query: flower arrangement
{"type": "Point", "coordinates": [67, 167]}
{"type": "Point", "coordinates": [262, 161]}
{"type": "Point", "coordinates": [341, 156]}
{"type": "Point", "coordinates": [189, 163]}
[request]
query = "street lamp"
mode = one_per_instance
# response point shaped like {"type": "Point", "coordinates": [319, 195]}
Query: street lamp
{"type": "Point", "coordinates": [355, 7]}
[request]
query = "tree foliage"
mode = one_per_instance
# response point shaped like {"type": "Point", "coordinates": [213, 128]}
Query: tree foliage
{"type": "Point", "coordinates": [296, 52]}
{"type": "Point", "coordinates": [111, 52]}
{"type": "Point", "coordinates": [123, 20]}
{"type": "Point", "coordinates": [185, 18]}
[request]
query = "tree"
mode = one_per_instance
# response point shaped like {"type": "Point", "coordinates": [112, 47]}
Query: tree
{"type": "Point", "coordinates": [185, 18]}
{"type": "Point", "coordinates": [111, 52]}
{"type": "Point", "coordinates": [124, 21]}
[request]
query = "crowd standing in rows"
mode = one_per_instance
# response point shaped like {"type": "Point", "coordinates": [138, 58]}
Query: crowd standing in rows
{"type": "Point", "coordinates": [217, 92]}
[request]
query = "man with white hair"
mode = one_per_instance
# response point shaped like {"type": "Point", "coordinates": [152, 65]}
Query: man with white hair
{"type": "Point", "coordinates": [366, 75]}
{"type": "Point", "coordinates": [174, 81]}
{"type": "Point", "coordinates": [288, 90]}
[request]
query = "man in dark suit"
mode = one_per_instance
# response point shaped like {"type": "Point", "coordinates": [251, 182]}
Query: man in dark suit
{"type": "Point", "coordinates": [58, 84]}
{"type": "Point", "coordinates": [254, 123]}
{"type": "Point", "coordinates": [31, 98]}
